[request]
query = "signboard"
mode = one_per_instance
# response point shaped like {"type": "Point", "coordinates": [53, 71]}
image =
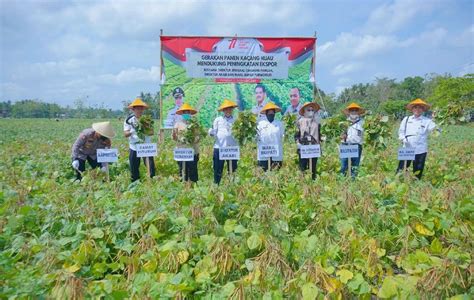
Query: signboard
{"type": "Point", "coordinates": [147, 150]}
{"type": "Point", "coordinates": [268, 151]}
{"type": "Point", "coordinates": [405, 153]}
{"type": "Point", "coordinates": [107, 155]}
{"type": "Point", "coordinates": [209, 68]}
{"type": "Point", "coordinates": [229, 153]}
{"type": "Point", "coordinates": [348, 151]}
{"type": "Point", "coordinates": [310, 151]}
{"type": "Point", "coordinates": [183, 154]}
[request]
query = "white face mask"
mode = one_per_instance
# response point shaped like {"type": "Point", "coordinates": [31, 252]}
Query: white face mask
{"type": "Point", "coordinates": [353, 116]}
{"type": "Point", "coordinates": [308, 114]}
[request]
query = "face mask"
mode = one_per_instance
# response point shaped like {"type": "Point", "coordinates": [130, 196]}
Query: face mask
{"type": "Point", "coordinates": [270, 117]}
{"type": "Point", "coordinates": [186, 117]}
{"type": "Point", "coordinates": [308, 114]}
{"type": "Point", "coordinates": [353, 116]}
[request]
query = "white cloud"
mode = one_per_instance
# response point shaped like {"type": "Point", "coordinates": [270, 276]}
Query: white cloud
{"type": "Point", "coordinates": [389, 18]}
{"type": "Point", "coordinates": [48, 69]}
{"type": "Point", "coordinates": [76, 46]}
{"type": "Point", "coordinates": [345, 68]}
{"type": "Point", "coordinates": [467, 69]}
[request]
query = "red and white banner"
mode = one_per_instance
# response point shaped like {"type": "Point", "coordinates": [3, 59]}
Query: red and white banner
{"type": "Point", "coordinates": [236, 59]}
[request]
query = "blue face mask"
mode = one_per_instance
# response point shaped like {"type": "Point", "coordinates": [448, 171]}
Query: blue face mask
{"type": "Point", "coordinates": [186, 117]}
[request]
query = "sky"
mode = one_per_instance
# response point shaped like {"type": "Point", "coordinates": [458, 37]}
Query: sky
{"type": "Point", "coordinates": [105, 52]}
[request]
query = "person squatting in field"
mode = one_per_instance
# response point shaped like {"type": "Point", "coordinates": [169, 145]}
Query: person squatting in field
{"type": "Point", "coordinates": [308, 133]}
{"type": "Point", "coordinates": [353, 136]}
{"type": "Point", "coordinates": [222, 132]}
{"type": "Point", "coordinates": [130, 127]}
{"type": "Point", "coordinates": [270, 132]}
{"type": "Point", "coordinates": [86, 145]}
{"type": "Point", "coordinates": [186, 111]}
{"type": "Point", "coordinates": [413, 132]}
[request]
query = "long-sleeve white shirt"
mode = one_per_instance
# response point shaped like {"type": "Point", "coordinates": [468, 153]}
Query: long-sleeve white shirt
{"type": "Point", "coordinates": [414, 132]}
{"type": "Point", "coordinates": [222, 131]}
{"type": "Point", "coordinates": [271, 134]}
{"type": "Point", "coordinates": [355, 133]}
{"type": "Point", "coordinates": [131, 124]}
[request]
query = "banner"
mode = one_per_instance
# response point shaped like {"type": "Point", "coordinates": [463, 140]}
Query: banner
{"type": "Point", "coordinates": [203, 71]}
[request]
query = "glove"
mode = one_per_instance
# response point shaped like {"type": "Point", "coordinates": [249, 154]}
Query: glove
{"type": "Point", "coordinates": [212, 132]}
{"type": "Point", "coordinates": [75, 164]}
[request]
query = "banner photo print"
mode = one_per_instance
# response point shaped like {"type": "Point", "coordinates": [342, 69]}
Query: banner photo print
{"type": "Point", "coordinates": [203, 71]}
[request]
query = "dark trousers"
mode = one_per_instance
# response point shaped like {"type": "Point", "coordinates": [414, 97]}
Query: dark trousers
{"type": "Point", "coordinates": [82, 166]}
{"type": "Point", "coordinates": [273, 164]}
{"type": "Point", "coordinates": [418, 164]}
{"type": "Point", "coordinates": [191, 169]}
{"type": "Point", "coordinates": [135, 165]}
{"type": "Point", "coordinates": [355, 162]}
{"type": "Point", "coordinates": [219, 166]}
{"type": "Point", "coordinates": [304, 164]}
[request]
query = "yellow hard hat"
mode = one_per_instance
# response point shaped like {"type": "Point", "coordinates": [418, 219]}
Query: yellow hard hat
{"type": "Point", "coordinates": [184, 107]}
{"type": "Point", "coordinates": [138, 102]}
{"type": "Point", "coordinates": [418, 102]}
{"type": "Point", "coordinates": [269, 106]}
{"type": "Point", "coordinates": [227, 104]}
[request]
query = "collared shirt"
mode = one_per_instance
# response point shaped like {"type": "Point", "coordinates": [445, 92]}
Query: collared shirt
{"type": "Point", "coordinates": [178, 131]}
{"type": "Point", "coordinates": [87, 144]}
{"type": "Point", "coordinates": [307, 131]}
{"type": "Point", "coordinates": [131, 124]}
{"type": "Point", "coordinates": [414, 132]}
{"type": "Point", "coordinates": [172, 117]}
{"type": "Point", "coordinates": [271, 134]}
{"type": "Point", "coordinates": [290, 110]}
{"type": "Point", "coordinates": [355, 132]}
{"type": "Point", "coordinates": [256, 110]}
{"type": "Point", "coordinates": [222, 131]}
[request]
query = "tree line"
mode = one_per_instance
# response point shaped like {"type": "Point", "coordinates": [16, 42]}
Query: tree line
{"type": "Point", "coordinates": [453, 97]}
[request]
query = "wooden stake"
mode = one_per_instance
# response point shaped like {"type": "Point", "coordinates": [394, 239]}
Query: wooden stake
{"type": "Point", "coordinates": [269, 164]}
{"type": "Point", "coordinates": [311, 165]}
{"type": "Point", "coordinates": [107, 171]}
{"type": "Point", "coordinates": [349, 172]}
{"type": "Point", "coordinates": [405, 173]}
{"type": "Point", "coordinates": [147, 163]}
{"type": "Point", "coordinates": [184, 171]}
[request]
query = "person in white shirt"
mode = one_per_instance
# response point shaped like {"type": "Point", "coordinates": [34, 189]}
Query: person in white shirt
{"type": "Point", "coordinates": [353, 136]}
{"type": "Point", "coordinates": [413, 132]}
{"type": "Point", "coordinates": [295, 106]}
{"type": "Point", "coordinates": [270, 132]}
{"type": "Point", "coordinates": [260, 95]}
{"type": "Point", "coordinates": [222, 132]}
{"type": "Point", "coordinates": [308, 133]}
{"type": "Point", "coordinates": [130, 127]}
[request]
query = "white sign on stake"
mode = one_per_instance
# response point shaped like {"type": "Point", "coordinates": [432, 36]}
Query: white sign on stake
{"type": "Point", "coordinates": [183, 154]}
{"type": "Point", "coordinates": [268, 151]}
{"type": "Point", "coordinates": [107, 155]}
{"type": "Point", "coordinates": [405, 153]}
{"type": "Point", "coordinates": [147, 150]}
{"type": "Point", "coordinates": [229, 153]}
{"type": "Point", "coordinates": [310, 151]}
{"type": "Point", "coordinates": [348, 151]}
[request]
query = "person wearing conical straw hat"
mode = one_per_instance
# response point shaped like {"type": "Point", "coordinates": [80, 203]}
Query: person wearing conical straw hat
{"type": "Point", "coordinates": [130, 127]}
{"type": "Point", "coordinates": [354, 135]}
{"type": "Point", "coordinates": [270, 132]}
{"type": "Point", "coordinates": [413, 132]}
{"type": "Point", "coordinates": [308, 133]}
{"type": "Point", "coordinates": [222, 132]}
{"type": "Point", "coordinates": [86, 145]}
{"type": "Point", "coordinates": [186, 111]}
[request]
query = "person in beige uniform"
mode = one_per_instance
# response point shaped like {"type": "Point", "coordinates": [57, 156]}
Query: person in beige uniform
{"type": "Point", "coordinates": [308, 133]}
{"type": "Point", "coordinates": [186, 111]}
{"type": "Point", "coordinates": [86, 145]}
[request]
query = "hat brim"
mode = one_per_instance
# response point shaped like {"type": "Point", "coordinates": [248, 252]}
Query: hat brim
{"type": "Point", "coordinates": [276, 109]}
{"type": "Point", "coordinates": [229, 106]}
{"type": "Point", "coordinates": [361, 110]}
{"type": "Point", "coordinates": [132, 106]}
{"type": "Point", "coordinates": [180, 112]}
{"type": "Point", "coordinates": [425, 106]}
{"type": "Point", "coordinates": [99, 130]}
{"type": "Point", "coordinates": [313, 104]}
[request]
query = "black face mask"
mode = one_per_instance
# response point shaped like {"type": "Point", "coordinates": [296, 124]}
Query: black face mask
{"type": "Point", "coordinates": [270, 117]}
